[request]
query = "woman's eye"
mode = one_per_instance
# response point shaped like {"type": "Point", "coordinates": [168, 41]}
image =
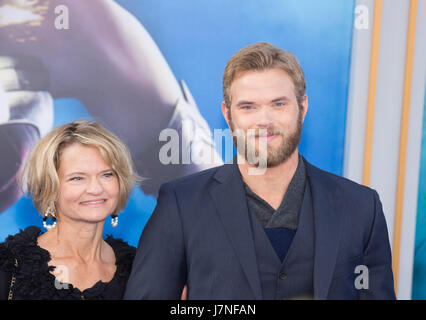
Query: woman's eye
{"type": "Point", "coordinates": [108, 175]}
{"type": "Point", "coordinates": [76, 179]}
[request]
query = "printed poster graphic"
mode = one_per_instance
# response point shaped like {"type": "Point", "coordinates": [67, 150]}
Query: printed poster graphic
{"type": "Point", "coordinates": [131, 64]}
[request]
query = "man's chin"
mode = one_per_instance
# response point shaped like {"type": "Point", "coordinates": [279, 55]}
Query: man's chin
{"type": "Point", "coordinates": [274, 159]}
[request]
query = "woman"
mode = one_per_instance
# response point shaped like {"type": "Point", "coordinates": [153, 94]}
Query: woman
{"type": "Point", "coordinates": [78, 175]}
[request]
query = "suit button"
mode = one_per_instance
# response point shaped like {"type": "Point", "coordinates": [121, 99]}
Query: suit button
{"type": "Point", "coordinates": [282, 275]}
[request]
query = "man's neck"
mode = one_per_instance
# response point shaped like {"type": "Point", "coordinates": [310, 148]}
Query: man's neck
{"type": "Point", "coordinates": [272, 185]}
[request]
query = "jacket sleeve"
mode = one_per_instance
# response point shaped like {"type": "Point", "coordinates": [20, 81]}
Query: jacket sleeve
{"type": "Point", "coordinates": [378, 259]}
{"type": "Point", "coordinates": [159, 268]}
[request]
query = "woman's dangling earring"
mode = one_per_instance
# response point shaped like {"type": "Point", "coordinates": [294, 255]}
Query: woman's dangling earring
{"type": "Point", "coordinates": [49, 212]}
{"type": "Point", "coordinates": [114, 220]}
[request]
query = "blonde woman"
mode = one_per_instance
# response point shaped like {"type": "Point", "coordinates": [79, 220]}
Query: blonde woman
{"type": "Point", "coordinates": [78, 175]}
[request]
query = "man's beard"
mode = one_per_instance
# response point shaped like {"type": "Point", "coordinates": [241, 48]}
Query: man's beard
{"type": "Point", "coordinates": [274, 157]}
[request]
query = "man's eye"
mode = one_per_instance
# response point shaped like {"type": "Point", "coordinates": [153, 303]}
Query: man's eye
{"type": "Point", "coordinates": [246, 107]}
{"type": "Point", "coordinates": [279, 104]}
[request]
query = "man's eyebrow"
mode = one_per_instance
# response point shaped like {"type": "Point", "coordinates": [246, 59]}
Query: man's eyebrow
{"type": "Point", "coordinates": [244, 102]}
{"type": "Point", "coordinates": [283, 98]}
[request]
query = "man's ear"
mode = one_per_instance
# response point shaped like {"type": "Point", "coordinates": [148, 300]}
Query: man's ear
{"type": "Point", "coordinates": [225, 112]}
{"type": "Point", "coordinates": [304, 106]}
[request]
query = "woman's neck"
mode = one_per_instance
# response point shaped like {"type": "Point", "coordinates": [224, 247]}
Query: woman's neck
{"type": "Point", "coordinates": [72, 239]}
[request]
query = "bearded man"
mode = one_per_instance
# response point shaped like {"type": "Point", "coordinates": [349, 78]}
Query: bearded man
{"type": "Point", "coordinates": [270, 225]}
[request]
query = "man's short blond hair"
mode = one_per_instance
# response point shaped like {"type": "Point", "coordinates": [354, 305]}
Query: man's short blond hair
{"type": "Point", "coordinates": [259, 57]}
{"type": "Point", "coordinates": [40, 174]}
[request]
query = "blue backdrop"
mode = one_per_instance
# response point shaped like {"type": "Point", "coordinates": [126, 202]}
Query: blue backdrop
{"type": "Point", "coordinates": [198, 37]}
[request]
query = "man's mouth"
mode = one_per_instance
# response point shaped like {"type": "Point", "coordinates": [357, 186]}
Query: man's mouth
{"type": "Point", "coordinates": [268, 137]}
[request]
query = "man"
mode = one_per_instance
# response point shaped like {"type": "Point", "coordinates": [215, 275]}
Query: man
{"type": "Point", "coordinates": [291, 232]}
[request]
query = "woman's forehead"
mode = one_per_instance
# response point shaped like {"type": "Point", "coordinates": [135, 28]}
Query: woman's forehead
{"type": "Point", "coordinates": [82, 158]}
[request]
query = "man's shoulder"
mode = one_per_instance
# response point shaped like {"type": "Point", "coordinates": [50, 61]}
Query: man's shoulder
{"type": "Point", "coordinates": [318, 177]}
{"type": "Point", "coordinates": [194, 180]}
{"type": "Point", "coordinates": [333, 181]}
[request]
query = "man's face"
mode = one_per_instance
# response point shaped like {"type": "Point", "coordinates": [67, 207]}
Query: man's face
{"type": "Point", "coordinates": [265, 100]}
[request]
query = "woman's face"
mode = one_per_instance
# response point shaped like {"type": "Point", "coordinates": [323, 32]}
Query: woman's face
{"type": "Point", "coordinates": [89, 189]}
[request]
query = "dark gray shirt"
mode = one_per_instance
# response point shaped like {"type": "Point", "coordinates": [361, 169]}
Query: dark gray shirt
{"type": "Point", "coordinates": [287, 214]}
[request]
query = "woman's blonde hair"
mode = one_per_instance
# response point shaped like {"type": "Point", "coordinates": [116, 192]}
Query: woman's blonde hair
{"type": "Point", "coordinates": [40, 174]}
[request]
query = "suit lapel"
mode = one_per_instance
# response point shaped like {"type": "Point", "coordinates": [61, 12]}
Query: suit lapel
{"type": "Point", "coordinates": [230, 200]}
{"type": "Point", "coordinates": [327, 229]}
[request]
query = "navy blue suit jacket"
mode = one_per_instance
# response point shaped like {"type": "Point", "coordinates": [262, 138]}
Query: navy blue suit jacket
{"type": "Point", "coordinates": [199, 234]}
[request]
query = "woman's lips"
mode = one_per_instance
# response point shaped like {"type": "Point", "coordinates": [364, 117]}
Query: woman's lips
{"type": "Point", "coordinates": [94, 203]}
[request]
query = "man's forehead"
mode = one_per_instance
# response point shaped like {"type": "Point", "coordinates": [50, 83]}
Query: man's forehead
{"type": "Point", "coordinates": [268, 71]}
{"type": "Point", "coordinates": [269, 84]}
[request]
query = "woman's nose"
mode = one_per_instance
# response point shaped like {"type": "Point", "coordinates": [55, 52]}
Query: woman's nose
{"type": "Point", "coordinates": [94, 187]}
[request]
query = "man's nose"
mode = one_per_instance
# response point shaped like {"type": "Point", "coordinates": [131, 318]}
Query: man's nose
{"type": "Point", "coordinates": [265, 118]}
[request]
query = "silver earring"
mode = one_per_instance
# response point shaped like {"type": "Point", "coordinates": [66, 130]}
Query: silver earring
{"type": "Point", "coordinates": [49, 212]}
{"type": "Point", "coordinates": [114, 220]}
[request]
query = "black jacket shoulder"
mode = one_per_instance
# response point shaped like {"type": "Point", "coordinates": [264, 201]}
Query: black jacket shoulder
{"type": "Point", "coordinates": [6, 269]}
{"type": "Point", "coordinates": [5, 279]}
